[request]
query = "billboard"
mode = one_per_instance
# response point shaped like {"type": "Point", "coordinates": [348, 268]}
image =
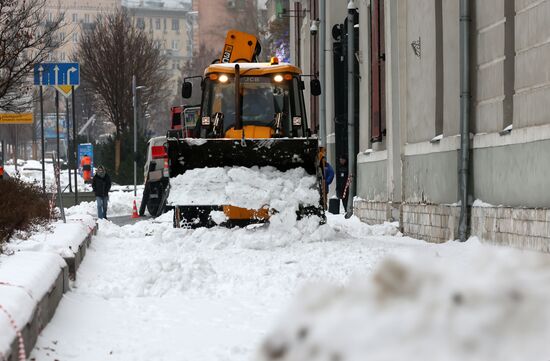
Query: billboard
{"type": "Point", "coordinates": [50, 129]}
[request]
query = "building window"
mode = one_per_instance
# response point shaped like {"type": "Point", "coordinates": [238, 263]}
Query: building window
{"type": "Point", "coordinates": [75, 37]}
{"type": "Point", "coordinates": [164, 21]}
{"type": "Point", "coordinates": [175, 44]}
{"type": "Point", "coordinates": [157, 24]}
{"type": "Point", "coordinates": [86, 18]}
{"type": "Point", "coordinates": [63, 56]}
{"type": "Point", "coordinates": [140, 23]}
{"type": "Point", "coordinates": [156, 44]}
{"type": "Point", "coordinates": [75, 18]}
{"type": "Point", "coordinates": [176, 24]}
{"type": "Point", "coordinates": [50, 17]}
{"type": "Point", "coordinates": [62, 36]}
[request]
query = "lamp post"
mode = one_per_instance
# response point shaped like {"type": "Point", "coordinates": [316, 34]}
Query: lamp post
{"type": "Point", "coordinates": [135, 88]}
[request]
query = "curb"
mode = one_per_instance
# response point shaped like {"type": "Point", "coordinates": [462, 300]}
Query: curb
{"type": "Point", "coordinates": [45, 308]}
{"type": "Point", "coordinates": [75, 261]}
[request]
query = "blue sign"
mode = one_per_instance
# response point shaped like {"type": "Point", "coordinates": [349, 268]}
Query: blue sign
{"type": "Point", "coordinates": [86, 149]}
{"type": "Point", "coordinates": [57, 74]}
{"type": "Point", "coordinates": [50, 126]}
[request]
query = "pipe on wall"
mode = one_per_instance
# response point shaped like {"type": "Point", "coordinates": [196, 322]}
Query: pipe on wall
{"type": "Point", "coordinates": [322, 74]}
{"type": "Point", "coordinates": [464, 117]}
{"type": "Point", "coordinates": [352, 156]}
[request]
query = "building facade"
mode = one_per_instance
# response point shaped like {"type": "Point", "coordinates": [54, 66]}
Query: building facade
{"type": "Point", "coordinates": [408, 75]}
{"type": "Point", "coordinates": [171, 27]}
{"type": "Point", "coordinates": [215, 17]}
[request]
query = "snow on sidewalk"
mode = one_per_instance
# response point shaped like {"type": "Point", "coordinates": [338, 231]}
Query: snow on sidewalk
{"type": "Point", "coordinates": [29, 269]}
{"type": "Point", "coordinates": [63, 239]}
{"type": "Point", "coordinates": [25, 278]}
{"type": "Point", "coordinates": [490, 305]}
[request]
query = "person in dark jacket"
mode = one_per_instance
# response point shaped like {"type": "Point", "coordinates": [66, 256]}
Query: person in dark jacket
{"type": "Point", "coordinates": [101, 184]}
{"type": "Point", "coordinates": [342, 190]}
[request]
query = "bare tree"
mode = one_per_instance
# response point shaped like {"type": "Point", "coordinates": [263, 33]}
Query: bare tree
{"type": "Point", "coordinates": [26, 38]}
{"type": "Point", "coordinates": [201, 59]}
{"type": "Point", "coordinates": [111, 52]}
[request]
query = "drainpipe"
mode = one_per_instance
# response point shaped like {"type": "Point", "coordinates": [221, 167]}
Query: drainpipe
{"type": "Point", "coordinates": [322, 75]}
{"type": "Point", "coordinates": [352, 157]}
{"type": "Point", "coordinates": [464, 117]}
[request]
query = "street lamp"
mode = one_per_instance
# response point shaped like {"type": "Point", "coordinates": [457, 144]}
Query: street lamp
{"type": "Point", "coordinates": [135, 88]}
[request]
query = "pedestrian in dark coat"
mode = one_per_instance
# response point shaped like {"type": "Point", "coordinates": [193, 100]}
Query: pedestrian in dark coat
{"type": "Point", "coordinates": [101, 184]}
{"type": "Point", "coordinates": [342, 188]}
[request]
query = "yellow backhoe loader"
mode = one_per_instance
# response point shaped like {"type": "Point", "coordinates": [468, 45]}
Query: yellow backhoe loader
{"type": "Point", "coordinates": [252, 114]}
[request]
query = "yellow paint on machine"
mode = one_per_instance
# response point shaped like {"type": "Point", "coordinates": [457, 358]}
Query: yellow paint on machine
{"type": "Point", "coordinates": [250, 132]}
{"type": "Point", "coordinates": [238, 213]}
{"type": "Point", "coordinates": [15, 118]}
{"type": "Point", "coordinates": [256, 132]}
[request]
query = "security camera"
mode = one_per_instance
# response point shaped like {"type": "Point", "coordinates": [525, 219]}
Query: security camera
{"type": "Point", "coordinates": [314, 28]}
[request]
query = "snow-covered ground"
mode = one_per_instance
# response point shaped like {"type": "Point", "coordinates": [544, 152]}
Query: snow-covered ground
{"type": "Point", "coordinates": [31, 171]}
{"type": "Point", "coordinates": [293, 291]}
{"type": "Point", "coordinates": [121, 200]}
{"type": "Point", "coordinates": [298, 291]}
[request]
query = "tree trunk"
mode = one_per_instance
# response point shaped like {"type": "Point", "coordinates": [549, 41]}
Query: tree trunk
{"type": "Point", "coordinates": [117, 155]}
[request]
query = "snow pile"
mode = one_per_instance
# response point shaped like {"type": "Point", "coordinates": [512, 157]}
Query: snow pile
{"type": "Point", "coordinates": [222, 261]}
{"type": "Point", "coordinates": [31, 171]}
{"type": "Point", "coordinates": [25, 278]}
{"type": "Point", "coordinates": [120, 203]}
{"type": "Point", "coordinates": [251, 188]}
{"type": "Point", "coordinates": [62, 238]}
{"type": "Point", "coordinates": [491, 306]}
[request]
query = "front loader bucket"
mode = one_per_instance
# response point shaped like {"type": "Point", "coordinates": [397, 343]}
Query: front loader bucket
{"type": "Point", "coordinates": [281, 153]}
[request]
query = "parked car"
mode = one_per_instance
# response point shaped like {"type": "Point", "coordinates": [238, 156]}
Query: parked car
{"type": "Point", "coordinates": [156, 177]}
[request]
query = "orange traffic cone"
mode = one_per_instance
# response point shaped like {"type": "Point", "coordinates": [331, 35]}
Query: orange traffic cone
{"type": "Point", "coordinates": [134, 211]}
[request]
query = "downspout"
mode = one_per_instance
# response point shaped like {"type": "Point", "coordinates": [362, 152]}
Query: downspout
{"type": "Point", "coordinates": [464, 117]}
{"type": "Point", "coordinates": [352, 157]}
{"type": "Point", "coordinates": [322, 75]}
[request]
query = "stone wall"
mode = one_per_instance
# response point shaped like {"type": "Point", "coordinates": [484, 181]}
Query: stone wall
{"type": "Point", "coordinates": [372, 212]}
{"type": "Point", "coordinates": [517, 227]}
{"type": "Point", "coordinates": [430, 222]}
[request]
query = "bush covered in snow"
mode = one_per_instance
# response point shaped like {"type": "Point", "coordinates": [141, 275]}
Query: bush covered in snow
{"type": "Point", "coordinates": [23, 208]}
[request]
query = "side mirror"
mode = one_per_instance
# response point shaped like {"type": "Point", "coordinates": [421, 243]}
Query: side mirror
{"type": "Point", "coordinates": [186, 90]}
{"type": "Point", "coordinates": [315, 86]}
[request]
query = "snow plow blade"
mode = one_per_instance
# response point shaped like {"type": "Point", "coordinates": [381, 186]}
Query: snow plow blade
{"type": "Point", "coordinates": [282, 154]}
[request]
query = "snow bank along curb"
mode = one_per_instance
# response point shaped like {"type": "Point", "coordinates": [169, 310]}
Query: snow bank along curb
{"type": "Point", "coordinates": [33, 280]}
{"type": "Point", "coordinates": [74, 261]}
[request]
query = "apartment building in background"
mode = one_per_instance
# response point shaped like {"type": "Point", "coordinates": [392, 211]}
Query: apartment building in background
{"type": "Point", "coordinates": [215, 17]}
{"type": "Point", "coordinates": [171, 27]}
{"type": "Point", "coordinates": [172, 30]}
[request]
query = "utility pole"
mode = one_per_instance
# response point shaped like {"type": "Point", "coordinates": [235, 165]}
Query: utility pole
{"type": "Point", "coordinates": [42, 136]}
{"type": "Point", "coordinates": [68, 125]}
{"type": "Point", "coordinates": [134, 102]}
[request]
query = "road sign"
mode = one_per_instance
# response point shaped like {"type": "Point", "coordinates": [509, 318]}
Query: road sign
{"type": "Point", "coordinates": [65, 90]}
{"type": "Point", "coordinates": [57, 74]}
{"type": "Point", "coordinates": [12, 118]}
